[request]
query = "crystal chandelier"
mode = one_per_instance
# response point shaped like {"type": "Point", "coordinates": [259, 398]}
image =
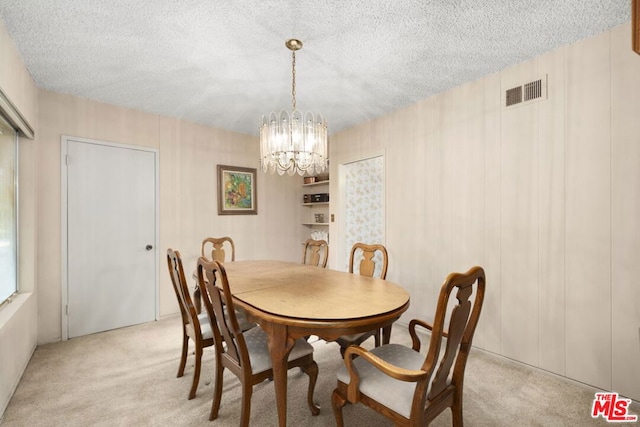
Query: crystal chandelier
{"type": "Point", "coordinates": [290, 141]}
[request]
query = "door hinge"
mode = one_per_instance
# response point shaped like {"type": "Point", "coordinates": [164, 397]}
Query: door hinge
{"type": "Point", "coordinates": [66, 309]}
{"type": "Point", "coordinates": [66, 159]}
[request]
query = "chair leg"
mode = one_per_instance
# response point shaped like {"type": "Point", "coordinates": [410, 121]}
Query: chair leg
{"type": "Point", "coordinates": [183, 357]}
{"type": "Point", "coordinates": [247, 390]}
{"type": "Point", "coordinates": [338, 402]}
{"type": "Point", "coordinates": [196, 372]}
{"type": "Point", "coordinates": [456, 412]}
{"type": "Point", "coordinates": [217, 390]}
{"type": "Point", "coordinates": [342, 350]}
{"type": "Point", "coordinates": [312, 371]}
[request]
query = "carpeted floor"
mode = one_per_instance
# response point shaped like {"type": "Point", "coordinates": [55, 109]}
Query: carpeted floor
{"type": "Point", "coordinates": [127, 377]}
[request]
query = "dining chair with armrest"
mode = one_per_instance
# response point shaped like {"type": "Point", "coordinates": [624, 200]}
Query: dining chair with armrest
{"type": "Point", "coordinates": [194, 326]}
{"type": "Point", "coordinates": [396, 380]}
{"type": "Point", "coordinates": [245, 353]}
{"type": "Point", "coordinates": [368, 266]}
{"type": "Point", "coordinates": [315, 252]}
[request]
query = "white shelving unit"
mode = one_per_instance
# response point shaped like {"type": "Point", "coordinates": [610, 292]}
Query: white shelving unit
{"type": "Point", "coordinates": [309, 210]}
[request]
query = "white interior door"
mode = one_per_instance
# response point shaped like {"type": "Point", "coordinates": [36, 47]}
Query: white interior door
{"type": "Point", "coordinates": [110, 236]}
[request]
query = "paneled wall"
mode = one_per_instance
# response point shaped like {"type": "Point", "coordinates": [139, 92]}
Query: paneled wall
{"type": "Point", "coordinates": [545, 196]}
{"type": "Point", "coordinates": [189, 154]}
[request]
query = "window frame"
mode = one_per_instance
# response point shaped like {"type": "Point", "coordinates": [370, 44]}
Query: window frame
{"type": "Point", "coordinates": [15, 235]}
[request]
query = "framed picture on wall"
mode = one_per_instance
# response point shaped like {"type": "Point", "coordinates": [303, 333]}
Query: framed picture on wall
{"type": "Point", "coordinates": [237, 191]}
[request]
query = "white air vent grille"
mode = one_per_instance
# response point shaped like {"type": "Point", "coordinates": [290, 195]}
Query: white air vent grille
{"type": "Point", "coordinates": [527, 92]}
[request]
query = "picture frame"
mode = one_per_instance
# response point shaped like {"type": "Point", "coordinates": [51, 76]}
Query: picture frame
{"type": "Point", "coordinates": [635, 26]}
{"type": "Point", "coordinates": [237, 191]}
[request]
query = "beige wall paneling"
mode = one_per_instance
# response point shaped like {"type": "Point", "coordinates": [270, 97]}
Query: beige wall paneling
{"type": "Point", "coordinates": [68, 115]}
{"type": "Point", "coordinates": [405, 201]}
{"type": "Point", "coordinates": [625, 211]}
{"type": "Point", "coordinates": [588, 211]}
{"type": "Point", "coordinates": [551, 218]}
{"type": "Point", "coordinates": [467, 181]}
{"type": "Point", "coordinates": [188, 157]}
{"type": "Point", "coordinates": [519, 221]}
{"type": "Point", "coordinates": [439, 156]}
{"type": "Point", "coordinates": [418, 211]}
{"type": "Point", "coordinates": [187, 195]}
{"type": "Point", "coordinates": [490, 320]}
{"type": "Point", "coordinates": [189, 154]}
{"type": "Point", "coordinates": [278, 197]}
{"type": "Point", "coordinates": [547, 212]}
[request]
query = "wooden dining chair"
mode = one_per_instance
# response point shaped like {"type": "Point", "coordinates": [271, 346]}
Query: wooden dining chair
{"type": "Point", "coordinates": [315, 252]}
{"type": "Point", "coordinates": [245, 353]}
{"type": "Point", "coordinates": [215, 248]}
{"type": "Point", "coordinates": [373, 262]}
{"type": "Point", "coordinates": [194, 326]}
{"type": "Point", "coordinates": [396, 380]}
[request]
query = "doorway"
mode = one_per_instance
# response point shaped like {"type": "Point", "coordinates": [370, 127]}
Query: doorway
{"type": "Point", "coordinates": [109, 236]}
{"type": "Point", "coordinates": [363, 205]}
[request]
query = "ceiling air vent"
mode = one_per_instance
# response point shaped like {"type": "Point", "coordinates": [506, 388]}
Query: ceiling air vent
{"type": "Point", "coordinates": [526, 93]}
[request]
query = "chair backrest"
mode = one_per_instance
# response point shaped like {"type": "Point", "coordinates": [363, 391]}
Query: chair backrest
{"type": "Point", "coordinates": [213, 248]}
{"type": "Point", "coordinates": [315, 252]}
{"type": "Point", "coordinates": [187, 309]}
{"type": "Point", "coordinates": [214, 287]}
{"type": "Point", "coordinates": [367, 266]}
{"type": "Point", "coordinates": [462, 322]}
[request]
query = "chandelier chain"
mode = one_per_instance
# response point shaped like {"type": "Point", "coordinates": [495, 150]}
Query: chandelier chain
{"type": "Point", "coordinates": [293, 80]}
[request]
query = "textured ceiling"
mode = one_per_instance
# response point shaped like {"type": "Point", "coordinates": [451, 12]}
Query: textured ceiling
{"type": "Point", "coordinates": [224, 64]}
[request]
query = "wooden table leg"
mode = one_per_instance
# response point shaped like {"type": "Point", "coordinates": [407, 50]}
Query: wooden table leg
{"type": "Point", "coordinates": [280, 345]}
{"type": "Point", "coordinates": [386, 334]}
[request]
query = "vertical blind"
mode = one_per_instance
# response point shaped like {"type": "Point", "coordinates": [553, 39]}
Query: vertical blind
{"type": "Point", "coordinates": [8, 211]}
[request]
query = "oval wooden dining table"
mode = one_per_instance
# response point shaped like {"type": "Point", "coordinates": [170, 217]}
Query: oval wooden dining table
{"type": "Point", "coordinates": [290, 301]}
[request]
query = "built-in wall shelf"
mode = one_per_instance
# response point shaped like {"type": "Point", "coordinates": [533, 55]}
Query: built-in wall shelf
{"type": "Point", "coordinates": [315, 204]}
{"type": "Point", "coordinates": [312, 212]}
{"type": "Point", "coordinates": [313, 184]}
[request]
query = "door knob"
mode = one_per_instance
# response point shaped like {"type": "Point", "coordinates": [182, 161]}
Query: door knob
{"type": "Point", "coordinates": [149, 247]}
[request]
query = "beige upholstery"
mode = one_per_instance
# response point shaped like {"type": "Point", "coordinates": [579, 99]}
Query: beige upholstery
{"type": "Point", "coordinates": [412, 388]}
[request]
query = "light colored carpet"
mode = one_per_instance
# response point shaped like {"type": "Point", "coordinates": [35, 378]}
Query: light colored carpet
{"type": "Point", "coordinates": [127, 377]}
